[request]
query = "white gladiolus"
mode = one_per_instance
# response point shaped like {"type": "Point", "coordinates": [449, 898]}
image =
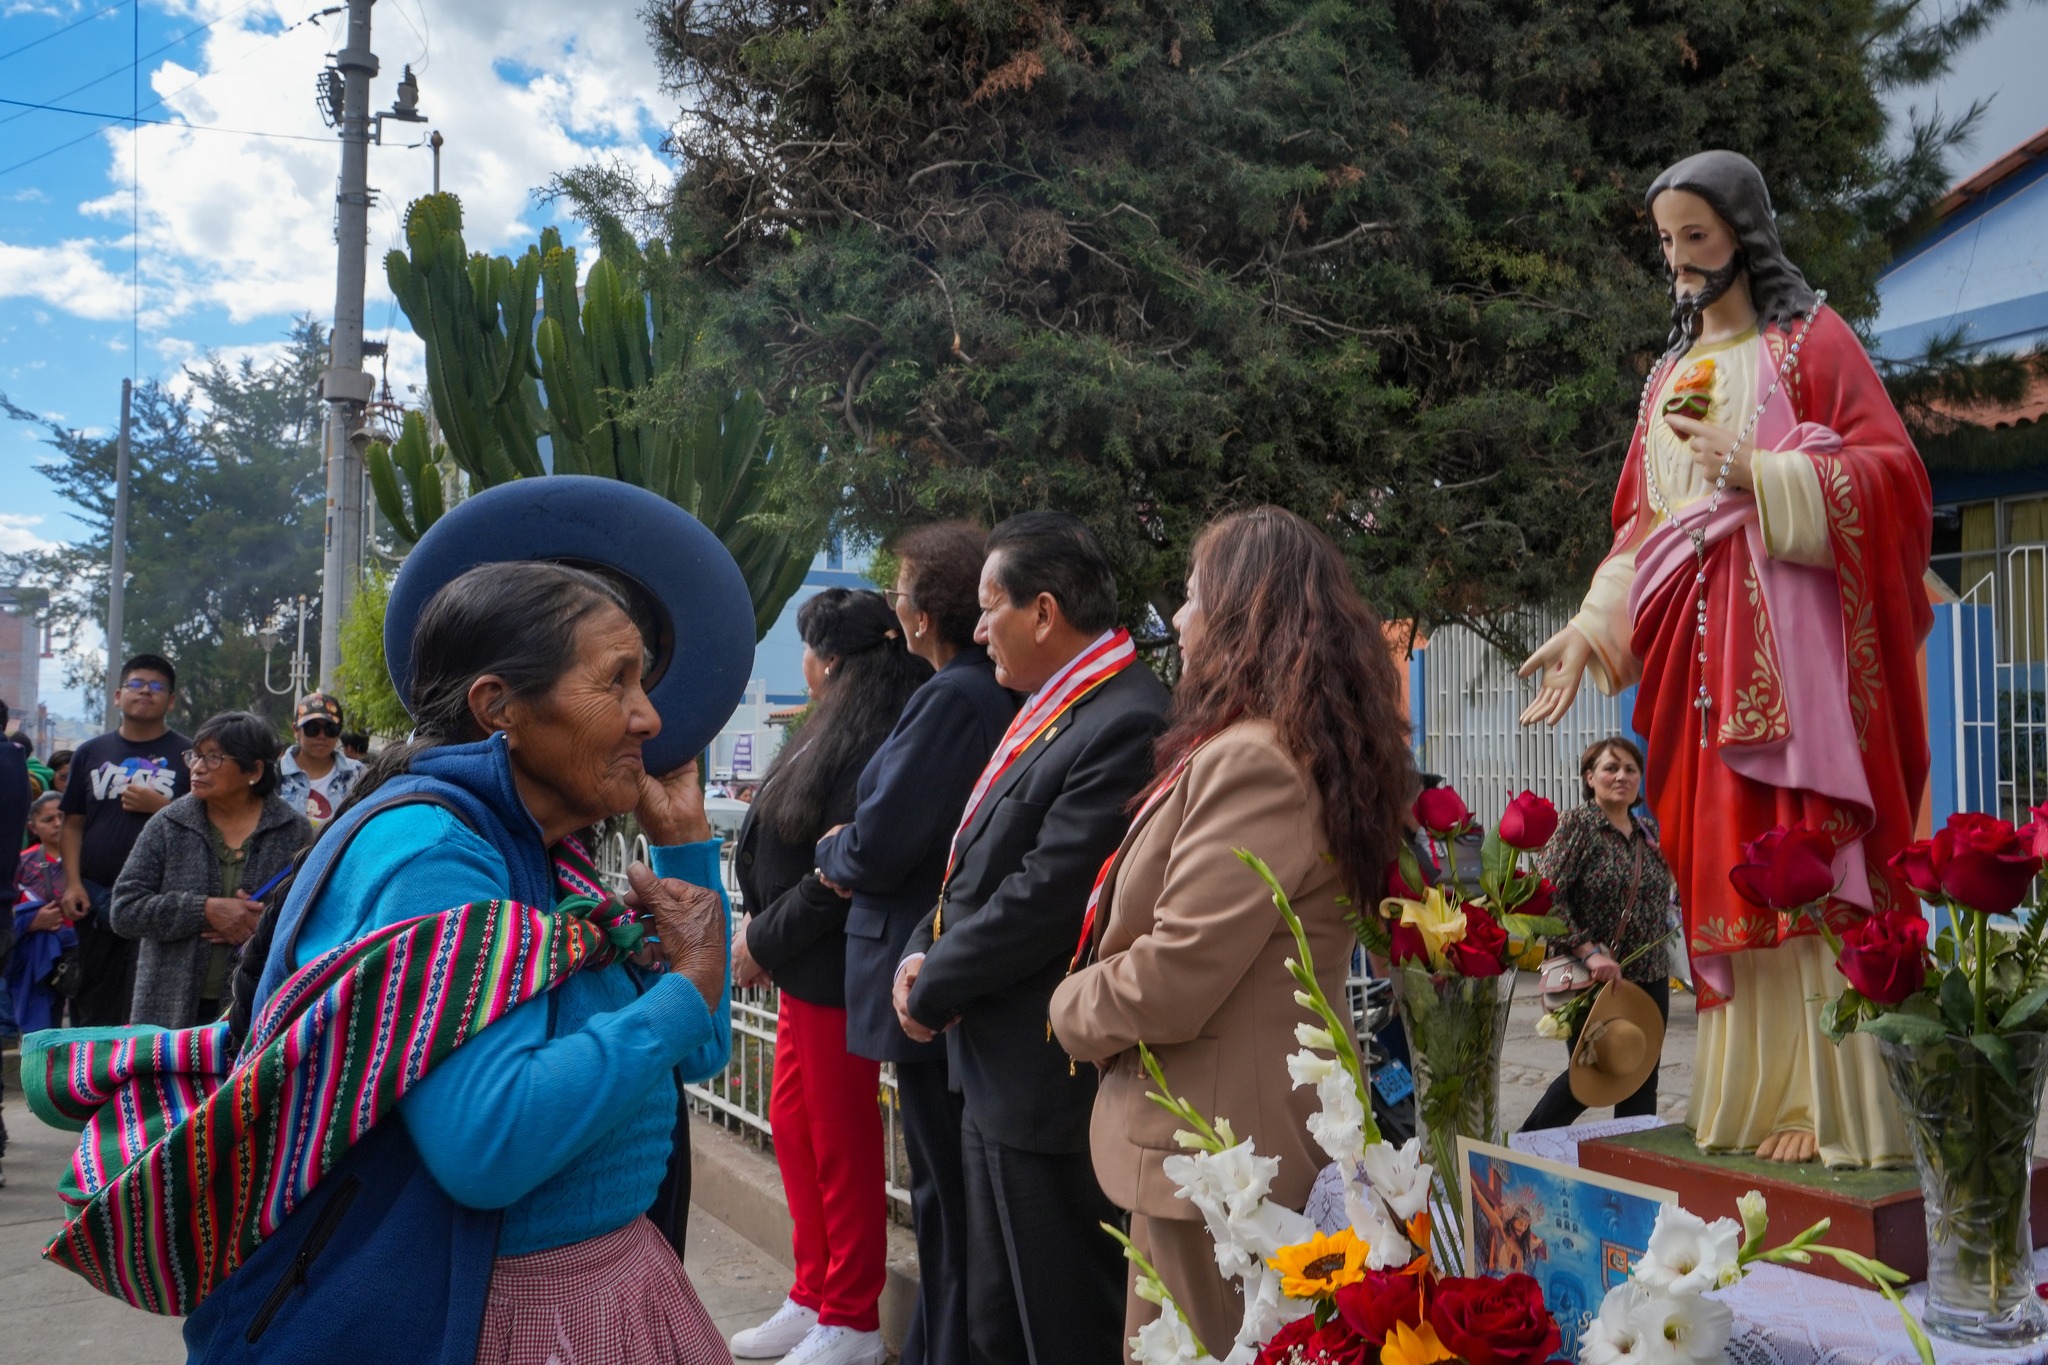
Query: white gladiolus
{"type": "Point", "coordinates": [1166, 1340]}
{"type": "Point", "coordinates": [1306, 1068]}
{"type": "Point", "coordinates": [1756, 1216]}
{"type": "Point", "coordinates": [1547, 1026]}
{"type": "Point", "coordinates": [1398, 1175]}
{"type": "Point", "coordinates": [1309, 1036]}
{"type": "Point", "coordinates": [1229, 1189]}
{"type": "Point", "coordinates": [1615, 1337]}
{"type": "Point", "coordinates": [1339, 1128]}
{"type": "Point", "coordinates": [1688, 1255]}
{"type": "Point", "coordinates": [1685, 1329]}
{"type": "Point", "coordinates": [1266, 1311]}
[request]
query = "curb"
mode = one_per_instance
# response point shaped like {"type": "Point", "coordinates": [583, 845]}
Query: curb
{"type": "Point", "coordinates": [742, 1188]}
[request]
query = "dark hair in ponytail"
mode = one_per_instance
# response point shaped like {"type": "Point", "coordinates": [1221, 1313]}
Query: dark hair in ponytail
{"type": "Point", "coordinates": [518, 621]}
{"type": "Point", "coordinates": [871, 683]}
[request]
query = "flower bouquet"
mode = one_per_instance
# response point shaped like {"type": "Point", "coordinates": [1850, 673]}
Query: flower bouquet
{"type": "Point", "coordinates": [1453, 960]}
{"type": "Point", "coordinates": [1662, 1314]}
{"type": "Point", "coordinates": [1960, 1023]}
{"type": "Point", "coordinates": [1368, 1294]}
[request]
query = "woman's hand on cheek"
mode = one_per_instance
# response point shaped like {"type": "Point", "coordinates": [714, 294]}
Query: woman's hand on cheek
{"type": "Point", "coordinates": [671, 809]}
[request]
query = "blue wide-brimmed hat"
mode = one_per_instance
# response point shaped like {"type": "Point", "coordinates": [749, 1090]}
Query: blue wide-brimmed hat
{"type": "Point", "coordinates": [687, 592]}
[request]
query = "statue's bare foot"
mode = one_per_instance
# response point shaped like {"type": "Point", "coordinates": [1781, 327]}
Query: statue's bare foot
{"type": "Point", "coordinates": [1789, 1144]}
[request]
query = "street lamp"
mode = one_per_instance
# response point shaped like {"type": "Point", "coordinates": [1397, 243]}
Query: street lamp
{"type": "Point", "coordinates": [301, 670]}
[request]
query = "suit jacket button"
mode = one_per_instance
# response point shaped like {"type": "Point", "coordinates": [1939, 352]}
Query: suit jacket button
{"type": "Point", "coordinates": [747, 858]}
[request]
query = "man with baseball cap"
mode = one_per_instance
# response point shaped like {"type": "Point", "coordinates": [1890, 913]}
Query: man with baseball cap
{"type": "Point", "coordinates": [315, 776]}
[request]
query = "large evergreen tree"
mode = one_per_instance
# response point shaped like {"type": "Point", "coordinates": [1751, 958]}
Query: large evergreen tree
{"type": "Point", "coordinates": [1383, 261]}
{"type": "Point", "coordinates": [225, 508]}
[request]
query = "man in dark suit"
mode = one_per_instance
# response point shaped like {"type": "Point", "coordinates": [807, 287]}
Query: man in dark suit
{"type": "Point", "coordinates": [1044, 1282]}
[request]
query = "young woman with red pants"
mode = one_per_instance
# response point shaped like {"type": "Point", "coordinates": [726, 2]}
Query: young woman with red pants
{"type": "Point", "coordinates": [824, 1105]}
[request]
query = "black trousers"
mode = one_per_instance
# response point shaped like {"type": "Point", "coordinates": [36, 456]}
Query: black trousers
{"type": "Point", "coordinates": [930, 1110]}
{"type": "Point", "coordinates": [106, 961]}
{"type": "Point", "coordinates": [1045, 1283]}
{"type": "Point", "coordinates": [1559, 1107]}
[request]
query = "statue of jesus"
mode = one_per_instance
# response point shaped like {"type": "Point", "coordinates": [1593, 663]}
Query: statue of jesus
{"type": "Point", "coordinates": [1764, 588]}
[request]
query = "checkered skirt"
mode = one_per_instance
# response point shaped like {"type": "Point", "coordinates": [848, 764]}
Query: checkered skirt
{"type": "Point", "coordinates": [619, 1299]}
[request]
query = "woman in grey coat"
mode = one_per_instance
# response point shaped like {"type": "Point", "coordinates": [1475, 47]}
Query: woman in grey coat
{"type": "Point", "coordinates": [185, 890]}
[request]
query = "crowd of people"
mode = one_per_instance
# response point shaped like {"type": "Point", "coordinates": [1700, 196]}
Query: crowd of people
{"type": "Point", "coordinates": [996, 853]}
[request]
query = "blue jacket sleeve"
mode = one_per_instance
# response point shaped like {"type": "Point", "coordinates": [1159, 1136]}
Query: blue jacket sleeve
{"type": "Point", "coordinates": [513, 1107]}
{"type": "Point", "coordinates": [895, 828]}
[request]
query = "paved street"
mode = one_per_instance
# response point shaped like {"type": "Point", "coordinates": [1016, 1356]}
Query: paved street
{"type": "Point", "coordinates": [48, 1315]}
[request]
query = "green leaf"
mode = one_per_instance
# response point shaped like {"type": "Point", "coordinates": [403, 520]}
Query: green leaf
{"type": "Point", "coordinates": [1496, 865]}
{"type": "Point", "coordinates": [1910, 1029]}
{"type": "Point", "coordinates": [2023, 1009]}
{"type": "Point", "coordinates": [2000, 1054]}
{"type": "Point", "coordinates": [1958, 1005]}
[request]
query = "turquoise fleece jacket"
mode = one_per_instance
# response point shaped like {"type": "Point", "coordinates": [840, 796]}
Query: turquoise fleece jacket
{"type": "Point", "coordinates": [565, 1128]}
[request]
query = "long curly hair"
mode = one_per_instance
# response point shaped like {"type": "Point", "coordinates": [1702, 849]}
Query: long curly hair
{"type": "Point", "coordinates": [1287, 638]}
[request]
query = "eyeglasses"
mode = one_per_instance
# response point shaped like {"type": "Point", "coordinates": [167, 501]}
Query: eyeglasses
{"type": "Point", "coordinates": [321, 729]}
{"type": "Point", "coordinates": [199, 762]}
{"type": "Point", "coordinates": [893, 595]}
{"type": "Point", "coordinates": [145, 685]}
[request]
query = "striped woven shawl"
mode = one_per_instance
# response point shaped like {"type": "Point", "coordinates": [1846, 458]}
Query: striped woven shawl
{"type": "Point", "coordinates": [191, 1157]}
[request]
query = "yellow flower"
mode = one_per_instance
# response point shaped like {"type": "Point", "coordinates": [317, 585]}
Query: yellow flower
{"type": "Point", "coordinates": [1319, 1267]}
{"type": "Point", "coordinates": [1438, 921]}
{"type": "Point", "coordinates": [1407, 1345]}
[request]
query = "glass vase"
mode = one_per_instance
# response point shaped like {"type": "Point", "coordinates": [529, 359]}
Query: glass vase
{"type": "Point", "coordinates": [1973, 1141]}
{"type": "Point", "coordinates": [1456, 1026]}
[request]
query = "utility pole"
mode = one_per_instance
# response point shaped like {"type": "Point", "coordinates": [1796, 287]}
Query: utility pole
{"type": "Point", "coordinates": [345, 385]}
{"type": "Point", "coordinates": [117, 571]}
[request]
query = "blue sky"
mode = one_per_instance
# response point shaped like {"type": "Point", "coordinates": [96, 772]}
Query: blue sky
{"type": "Point", "coordinates": [235, 231]}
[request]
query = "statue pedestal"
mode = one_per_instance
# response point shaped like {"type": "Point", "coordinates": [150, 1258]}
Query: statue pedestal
{"type": "Point", "coordinates": [1876, 1213]}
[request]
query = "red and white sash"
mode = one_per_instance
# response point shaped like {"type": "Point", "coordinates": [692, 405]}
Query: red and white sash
{"type": "Point", "coordinates": [1158, 793]}
{"type": "Point", "coordinates": [1094, 666]}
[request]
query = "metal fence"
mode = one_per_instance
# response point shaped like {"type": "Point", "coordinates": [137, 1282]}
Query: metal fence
{"type": "Point", "coordinates": [1999, 652]}
{"type": "Point", "coordinates": [1471, 731]}
{"type": "Point", "coordinates": [737, 1098]}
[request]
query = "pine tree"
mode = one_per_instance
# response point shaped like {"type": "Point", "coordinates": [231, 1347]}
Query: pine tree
{"type": "Point", "coordinates": [1382, 261]}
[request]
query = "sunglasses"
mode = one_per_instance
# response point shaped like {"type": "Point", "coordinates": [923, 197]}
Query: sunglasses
{"type": "Point", "coordinates": [321, 729]}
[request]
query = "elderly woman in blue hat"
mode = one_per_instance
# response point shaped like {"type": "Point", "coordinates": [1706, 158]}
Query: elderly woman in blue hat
{"type": "Point", "coordinates": [453, 1134]}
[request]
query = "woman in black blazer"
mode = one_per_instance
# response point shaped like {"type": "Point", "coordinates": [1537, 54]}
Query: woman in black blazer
{"type": "Point", "coordinates": [892, 859]}
{"type": "Point", "coordinates": [824, 1105]}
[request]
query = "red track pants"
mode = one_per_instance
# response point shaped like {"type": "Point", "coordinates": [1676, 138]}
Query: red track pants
{"type": "Point", "coordinates": [828, 1142]}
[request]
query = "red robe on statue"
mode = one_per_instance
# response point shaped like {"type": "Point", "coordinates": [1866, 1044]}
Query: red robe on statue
{"type": "Point", "coordinates": [1779, 747]}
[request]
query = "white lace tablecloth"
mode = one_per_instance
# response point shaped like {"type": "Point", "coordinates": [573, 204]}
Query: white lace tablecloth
{"type": "Point", "coordinates": [1787, 1317]}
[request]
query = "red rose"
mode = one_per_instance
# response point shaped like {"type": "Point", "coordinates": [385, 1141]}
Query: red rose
{"type": "Point", "coordinates": [1374, 1304]}
{"type": "Point", "coordinates": [1983, 863]}
{"type": "Point", "coordinates": [1528, 822]}
{"type": "Point", "coordinates": [1494, 1322]}
{"type": "Point", "coordinates": [1915, 862]}
{"type": "Point", "coordinates": [1408, 946]}
{"type": "Point", "coordinates": [1303, 1342]}
{"type": "Point", "coordinates": [1397, 883]}
{"type": "Point", "coordinates": [1786, 868]}
{"type": "Point", "coordinates": [1482, 950]}
{"type": "Point", "coordinates": [2035, 832]}
{"type": "Point", "coordinates": [1539, 899]}
{"type": "Point", "coordinates": [1885, 957]}
{"type": "Point", "coordinates": [1442, 812]}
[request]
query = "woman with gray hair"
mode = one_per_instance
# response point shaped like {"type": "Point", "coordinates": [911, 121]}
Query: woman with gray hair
{"type": "Point", "coordinates": [185, 890]}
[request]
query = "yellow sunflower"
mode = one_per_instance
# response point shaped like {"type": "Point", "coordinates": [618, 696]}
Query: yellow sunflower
{"type": "Point", "coordinates": [1407, 1345]}
{"type": "Point", "coordinates": [1319, 1267]}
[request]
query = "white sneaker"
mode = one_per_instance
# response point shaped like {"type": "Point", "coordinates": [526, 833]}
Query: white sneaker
{"type": "Point", "coordinates": [838, 1346]}
{"type": "Point", "coordinates": [782, 1333]}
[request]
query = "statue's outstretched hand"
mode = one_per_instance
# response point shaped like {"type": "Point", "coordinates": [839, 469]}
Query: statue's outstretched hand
{"type": "Point", "coordinates": [1561, 662]}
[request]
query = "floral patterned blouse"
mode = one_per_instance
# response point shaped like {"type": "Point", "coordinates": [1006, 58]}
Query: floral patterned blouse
{"type": "Point", "coordinates": [1594, 866]}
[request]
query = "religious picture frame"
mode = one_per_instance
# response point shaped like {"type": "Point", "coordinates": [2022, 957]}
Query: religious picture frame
{"type": "Point", "coordinates": [1578, 1233]}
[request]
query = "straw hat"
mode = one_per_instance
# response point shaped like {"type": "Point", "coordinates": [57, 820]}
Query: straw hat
{"type": "Point", "coordinates": [1619, 1046]}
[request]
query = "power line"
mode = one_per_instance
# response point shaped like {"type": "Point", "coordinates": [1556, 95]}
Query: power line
{"type": "Point", "coordinates": [60, 32]}
{"type": "Point", "coordinates": [140, 57]}
{"type": "Point", "coordinates": [115, 120]}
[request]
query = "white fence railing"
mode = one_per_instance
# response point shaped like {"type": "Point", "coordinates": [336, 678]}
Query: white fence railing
{"type": "Point", "coordinates": [1472, 735]}
{"type": "Point", "coordinates": [2000, 651]}
{"type": "Point", "coordinates": [737, 1098]}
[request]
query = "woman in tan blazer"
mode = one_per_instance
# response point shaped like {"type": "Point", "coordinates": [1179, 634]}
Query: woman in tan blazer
{"type": "Point", "coordinates": [1286, 739]}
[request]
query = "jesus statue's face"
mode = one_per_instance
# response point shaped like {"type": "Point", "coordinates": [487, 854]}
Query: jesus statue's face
{"type": "Point", "coordinates": [1698, 247]}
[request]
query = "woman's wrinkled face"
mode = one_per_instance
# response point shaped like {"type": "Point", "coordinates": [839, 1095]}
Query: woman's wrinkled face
{"type": "Point", "coordinates": [580, 744]}
{"type": "Point", "coordinates": [215, 776]}
{"type": "Point", "coordinates": [1616, 779]}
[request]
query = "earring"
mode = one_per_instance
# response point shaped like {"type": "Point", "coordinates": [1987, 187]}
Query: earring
{"type": "Point", "coordinates": [920, 632]}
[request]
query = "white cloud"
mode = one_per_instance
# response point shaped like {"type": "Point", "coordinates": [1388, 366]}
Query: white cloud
{"type": "Point", "coordinates": [520, 89]}
{"type": "Point", "coordinates": [17, 534]}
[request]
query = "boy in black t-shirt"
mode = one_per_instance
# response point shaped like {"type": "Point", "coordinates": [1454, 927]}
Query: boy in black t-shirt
{"type": "Point", "coordinates": [117, 781]}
